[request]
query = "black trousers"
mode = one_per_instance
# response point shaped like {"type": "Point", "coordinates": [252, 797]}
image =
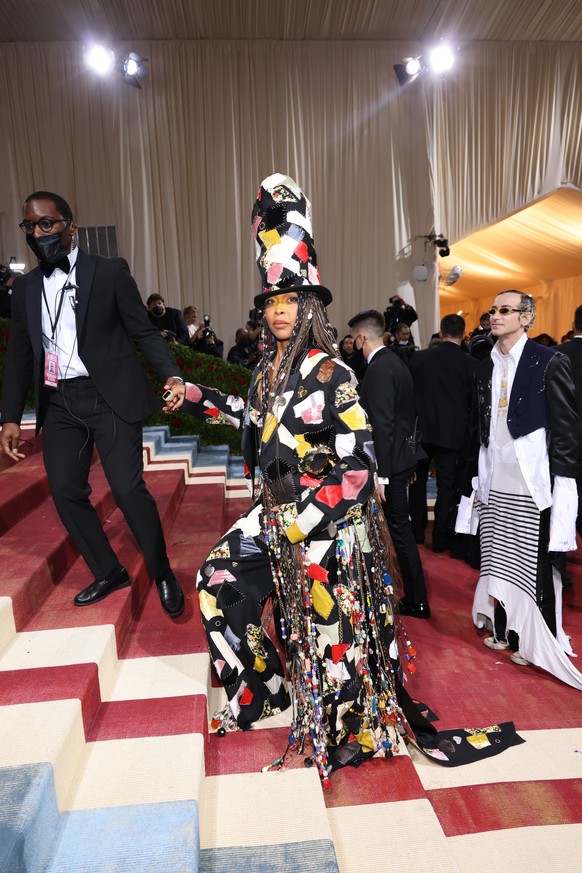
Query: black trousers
{"type": "Point", "coordinates": [446, 469]}
{"type": "Point", "coordinates": [75, 419]}
{"type": "Point", "coordinates": [396, 512]}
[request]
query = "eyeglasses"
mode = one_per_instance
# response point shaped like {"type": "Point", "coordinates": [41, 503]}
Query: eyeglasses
{"type": "Point", "coordinates": [503, 310]}
{"type": "Point", "coordinates": [45, 224]}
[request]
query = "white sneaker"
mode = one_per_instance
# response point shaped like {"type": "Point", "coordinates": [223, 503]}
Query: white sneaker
{"type": "Point", "coordinates": [492, 643]}
{"type": "Point", "coordinates": [518, 659]}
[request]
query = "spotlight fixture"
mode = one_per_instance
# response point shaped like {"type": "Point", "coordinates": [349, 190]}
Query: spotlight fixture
{"type": "Point", "coordinates": [440, 59]}
{"type": "Point", "coordinates": [408, 70]}
{"type": "Point", "coordinates": [99, 60]}
{"type": "Point", "coordinates": [132, 68]}
{"type": "Point", "coordinates": [103, 62]}
{"type": "Point", "coordinates": [452, 276]}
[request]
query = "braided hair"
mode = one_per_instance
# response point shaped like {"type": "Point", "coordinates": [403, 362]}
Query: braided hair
{"type": "Point", "coordinates": [311, 330]}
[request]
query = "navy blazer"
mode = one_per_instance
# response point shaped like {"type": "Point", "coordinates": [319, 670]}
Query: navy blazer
{"type": "Point", "coordinates": [110, 317]}
{"type": "Point", "coordinates": [542, 395]}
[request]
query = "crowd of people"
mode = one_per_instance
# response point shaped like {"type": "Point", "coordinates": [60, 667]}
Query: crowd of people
{"type": "Point", "coordinates": [339, 442]}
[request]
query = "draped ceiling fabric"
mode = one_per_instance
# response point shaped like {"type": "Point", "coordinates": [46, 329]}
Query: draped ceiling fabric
{"type": "Point", "coordinates": [504, 134]}
{"type": "Point", "coordinates": [176, 167]}
{"type": "Point", "coordinates": [240, 89]}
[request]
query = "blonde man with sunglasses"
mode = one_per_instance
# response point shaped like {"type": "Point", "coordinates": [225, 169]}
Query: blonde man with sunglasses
{"type": "Point", "coordinates": [521, 470]}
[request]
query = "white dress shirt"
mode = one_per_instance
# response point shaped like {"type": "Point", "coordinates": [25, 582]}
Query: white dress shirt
{"type": "Point", "coordinates": [64, 342]}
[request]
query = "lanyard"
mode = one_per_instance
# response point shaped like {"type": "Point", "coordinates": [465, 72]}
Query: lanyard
{"type": "Point", "coordinates": [54, 323]}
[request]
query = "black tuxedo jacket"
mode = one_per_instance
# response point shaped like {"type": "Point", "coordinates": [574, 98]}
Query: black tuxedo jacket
{"type": "Point", "coordinates": [110, 316]}
{"type": "Point", "coordinates": [443, 388]}
{"type": "Point", "coordinates": [573, 350]}
{"type": "Point", "coordinates": [387, 395]}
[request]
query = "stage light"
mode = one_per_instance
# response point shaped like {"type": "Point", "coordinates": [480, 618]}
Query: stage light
{"type": "Point", "coordinates": [407, 70]}
{"type": "Point", "coordinates": [441, 59]}
{"type": "Point", "coordinates": [132, 68]}
{"type": "Point", "coordinates": [99, 60]}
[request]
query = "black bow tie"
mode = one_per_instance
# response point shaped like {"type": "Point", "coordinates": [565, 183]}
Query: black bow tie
{"type": "Point", "coordinates": [62, 264]}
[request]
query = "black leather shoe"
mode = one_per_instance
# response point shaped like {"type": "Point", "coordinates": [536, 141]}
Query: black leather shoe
{"type": "Point", "coordinates": [414, 610]}
{"type": "Point", "coordinates": [171, 595]}
{"type": "Point", "coordinates": [100, 588]}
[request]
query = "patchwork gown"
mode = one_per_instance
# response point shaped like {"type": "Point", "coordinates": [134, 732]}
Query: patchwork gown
{"type": "Point", "coordinates": [314, 543]}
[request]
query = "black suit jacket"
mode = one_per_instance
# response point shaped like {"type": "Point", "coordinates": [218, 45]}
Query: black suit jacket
{"type": "Point", "coordinates": [387, 395]}
{"type": "Point", "coordinates": [443, 388]}
{"type": "Point", "coordinates": [573, 350]}
{"type": "Point", "coordinates": [110, 317]}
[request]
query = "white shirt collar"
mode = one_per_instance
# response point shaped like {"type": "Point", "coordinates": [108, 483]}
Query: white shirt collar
{"type": "Point", "coordinates": [373, 352]}
{"type": "Point", "coordinates": [515, 351]}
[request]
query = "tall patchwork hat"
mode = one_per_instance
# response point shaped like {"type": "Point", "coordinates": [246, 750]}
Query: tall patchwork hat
{"type": "Point", "coordinates": [286, 257]}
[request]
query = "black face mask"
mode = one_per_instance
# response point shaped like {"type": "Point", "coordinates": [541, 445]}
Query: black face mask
{"type": "Point", "coordinates": [357, 357]}
{"type": "Point", "coordinates": [158, 310]}
{"type": "Point", "coordinates": [48, 249]}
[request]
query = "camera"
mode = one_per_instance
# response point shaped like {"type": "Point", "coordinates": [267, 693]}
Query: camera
{"type": "Point", "coordinates": [207, 333]}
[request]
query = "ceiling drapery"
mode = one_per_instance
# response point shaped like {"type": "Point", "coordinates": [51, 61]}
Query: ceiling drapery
{"type": "Point", "coordinates": [176, 166]}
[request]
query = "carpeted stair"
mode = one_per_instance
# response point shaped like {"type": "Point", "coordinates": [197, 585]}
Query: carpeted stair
{"type": "Point", "coordinates": [106, 763]}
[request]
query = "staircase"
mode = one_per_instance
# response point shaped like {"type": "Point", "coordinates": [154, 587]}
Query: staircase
{"type": "Point", "coordinates": [106, 763]}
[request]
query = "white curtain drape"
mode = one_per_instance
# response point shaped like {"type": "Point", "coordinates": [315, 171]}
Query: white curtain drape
{"type": "Point", "coordinates": [504, 131]}
{"type": "Point", "coordinates": [176, 167]}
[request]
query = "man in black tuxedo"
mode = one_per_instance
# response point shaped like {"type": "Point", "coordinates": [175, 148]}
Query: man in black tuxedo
{"type": "Point", "coordinates": [443, 387]}
{"type": "Point", "coordinates": [386, 394]}
{"type": "Point", "coordinates": [74, 319]}
{"type": "Point", "coordinates": [574, 351]}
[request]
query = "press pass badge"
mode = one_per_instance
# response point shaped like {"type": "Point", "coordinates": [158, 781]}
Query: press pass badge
{"type": "Point", "coordinates": [51, 369]}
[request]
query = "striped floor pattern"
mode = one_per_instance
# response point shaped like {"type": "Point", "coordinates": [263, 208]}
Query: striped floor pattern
{"type": "Point", "coordinates": [106, 762]}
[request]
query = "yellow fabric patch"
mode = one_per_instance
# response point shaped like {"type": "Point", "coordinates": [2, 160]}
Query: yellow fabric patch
{"type": "Point", "coordinates": [302, 445]}
{"type": "Point", "coordinates": [322, 599]}
{"type": "Point", "coordinates": [270, 238]}
{"type": "Point", "coordinates": [208, 606]}
{"type": "Point", "coordinates": [294, 533]}
{"type": "Point", "coordinates": [366, 741]}
{"type": "Point", "coordinates": [270, 425]}
{"type": "Point", "coordinates": [480, 741]}
{"type": "Point", "coordinates": [260, 665]}
{"type": "Point", "coordinates": [354, 417]}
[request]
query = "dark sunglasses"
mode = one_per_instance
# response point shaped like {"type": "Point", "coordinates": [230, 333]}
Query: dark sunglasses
{"type": "Point", "coordinates": [502, 310]}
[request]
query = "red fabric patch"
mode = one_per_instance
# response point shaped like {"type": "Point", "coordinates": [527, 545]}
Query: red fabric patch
{"type": "Point", "coordinates": [313, 352]}
{"type": "Point", "coordinates": [309, 482]}
{"type": "Point", "coordinates": [330, 495]}
{"type": "Point", "coordinates": [337, 652]}
{"type": "Point", "coordinates": [213, 412]}
{"type": "Point", "coordinates": [301, 251]}
{"type": "Point", "coordinates": [246, 697]}
{"type": "Point", "coordinates": [315, 571]}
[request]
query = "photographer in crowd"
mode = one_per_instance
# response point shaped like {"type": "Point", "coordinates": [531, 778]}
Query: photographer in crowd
{"type": "Point", "coordinates": [167, 320]}
{"type": "Point", "coordinates": [398, 312]}
{"type": "Point", "coordinates": [204, 339]}
{"type": "Point", "coordinates": [241, 352]}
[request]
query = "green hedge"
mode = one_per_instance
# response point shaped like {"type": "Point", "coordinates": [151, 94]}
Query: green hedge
{"type": "Point", "coordinates": [194, 367]}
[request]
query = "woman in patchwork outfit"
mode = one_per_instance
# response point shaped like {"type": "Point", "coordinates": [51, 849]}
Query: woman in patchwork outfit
{"type": "Point", "coordinates": [314, 540]}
